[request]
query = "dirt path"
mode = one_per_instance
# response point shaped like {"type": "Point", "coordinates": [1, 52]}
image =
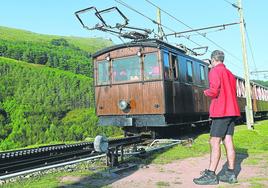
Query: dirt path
{"type": "Point", "coordinates": [180, 173]}
{"type": "Point", "coordinates": [252, 172]}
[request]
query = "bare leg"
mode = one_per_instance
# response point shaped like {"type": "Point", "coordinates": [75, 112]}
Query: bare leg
{"type": "Point", "coordinates": [230, 151]}
{"type": "Point", "coordinates": [215, 153]}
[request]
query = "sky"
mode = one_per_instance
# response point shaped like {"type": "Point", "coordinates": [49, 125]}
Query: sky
{"type": "Point", "coordinates": [56, 17]}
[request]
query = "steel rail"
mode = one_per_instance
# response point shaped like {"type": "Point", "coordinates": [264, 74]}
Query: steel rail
{"type": "Point", "coordinates": [14, 163]}
{"type": "Point", "coordinates": [9, 168]}
{"type": "Point", "coordinates": [50, 166]}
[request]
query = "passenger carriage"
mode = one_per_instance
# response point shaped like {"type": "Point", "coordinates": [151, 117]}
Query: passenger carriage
{"type": "Point", "coordinates": [150, 84]}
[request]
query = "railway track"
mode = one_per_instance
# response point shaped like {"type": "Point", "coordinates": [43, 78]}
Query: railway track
{"type": "Point", "coordinates": [18, 162]}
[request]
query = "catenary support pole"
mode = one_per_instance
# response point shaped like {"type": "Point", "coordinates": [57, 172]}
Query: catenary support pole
{"type": "Point", "coordinates": [160, 30]}
{"type": "Point", "coordinates": [248, 108]}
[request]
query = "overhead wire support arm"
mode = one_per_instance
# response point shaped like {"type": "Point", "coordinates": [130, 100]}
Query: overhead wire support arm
{"type": "Point", "coordinates": [256, 72]}
{"type": "Point", "coordinates": [213, 42]}
{"type": "Point", "coordinates": [176, 34]}
{"type": "Point", "coordinates": [138, 12]}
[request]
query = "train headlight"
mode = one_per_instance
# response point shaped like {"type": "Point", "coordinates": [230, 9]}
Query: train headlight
{"type": "Point", "coordinates": [123, 104]}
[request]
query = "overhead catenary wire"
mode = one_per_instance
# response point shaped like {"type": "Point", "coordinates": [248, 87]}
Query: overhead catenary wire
{"type": "Point", "coordinates": [251, 51]}
{"type": "Point", "coordinates": [152, 20]}
{"type": "Point", "coordinates": [155, 22]}
{"type": "Point", "coordinates": [232, 4]}
{"type": "Point", "coordinates": [228, 2]}
{"type": "Point", "coordinates": [247, 35]}
{"type": "Point", "coordinates": [197, 33]}
{"type": "Point", "coordinates": [138, 12]}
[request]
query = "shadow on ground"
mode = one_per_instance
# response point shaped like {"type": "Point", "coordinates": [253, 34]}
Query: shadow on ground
{"type": "Point", "coordinates": [241, 155]}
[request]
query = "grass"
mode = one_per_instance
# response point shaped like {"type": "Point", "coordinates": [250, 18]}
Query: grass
{"type": "Point", "coordinates": [162, 184]}
{"type": "Point", "coordinates": [199, 148]}
{"type": "Point", "coordinates": [254, 141]}
{"type": "Point", "coordinates": [50, 180]}
{"type": "Point", "coordinates": [257, 182]}
{"type": "Point", "coordinates": [246, 142]}
{"type": "Point", "coordinates": [257, 159]}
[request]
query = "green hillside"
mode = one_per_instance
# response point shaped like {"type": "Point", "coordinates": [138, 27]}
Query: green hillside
{"type": "Point", "coordinates": [87, 44]}
{"type": "Point", "coordinates": [261, 82]}
{"type": "Point", "coordinates": [42, 105]}
{"type": "Point", "coordinates": [66, 53]}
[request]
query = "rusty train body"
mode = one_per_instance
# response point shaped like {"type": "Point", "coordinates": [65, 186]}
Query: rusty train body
{"type": "Point", "coordinates": [149, 84]}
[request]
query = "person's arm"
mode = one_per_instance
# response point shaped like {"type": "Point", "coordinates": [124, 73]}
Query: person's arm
{"type": "Point", "coordinates": [214, 85]}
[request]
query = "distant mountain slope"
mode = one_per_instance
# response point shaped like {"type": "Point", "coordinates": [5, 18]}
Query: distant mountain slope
{"type": "Point", "coordinates": [261, 82]}
{"type": "Point", "coordinates": [87, 44]}
{"type": "Point", "coordinates": [67, 53]}
{"type": "Point", "coordinates": [39, 104]}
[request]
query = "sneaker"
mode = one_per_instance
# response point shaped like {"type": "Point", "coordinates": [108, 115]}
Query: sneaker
{"type": "Point", "coordinates": [206, 178]}
{"type": "Point", "coordinates": [228, 177]}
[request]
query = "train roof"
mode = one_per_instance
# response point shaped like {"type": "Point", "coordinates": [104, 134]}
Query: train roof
{"type": "Point", "coordinates": [156, 43]}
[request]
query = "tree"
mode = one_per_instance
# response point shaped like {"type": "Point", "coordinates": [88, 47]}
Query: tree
{"type": "Point", "coordinates": [59, 42]}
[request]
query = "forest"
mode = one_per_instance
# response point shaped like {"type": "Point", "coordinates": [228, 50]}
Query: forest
{"type": "Point", "coordinates": [46, 92]}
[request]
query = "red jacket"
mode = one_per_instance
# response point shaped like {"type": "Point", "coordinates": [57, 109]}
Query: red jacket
{"type": "Point", "coordinates": [222, 91]}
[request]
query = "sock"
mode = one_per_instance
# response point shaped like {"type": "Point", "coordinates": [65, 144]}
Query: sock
{"type": "Point", "coordinates": [212, 172]}
{"type": "Point", "coordinates": [230, 170]}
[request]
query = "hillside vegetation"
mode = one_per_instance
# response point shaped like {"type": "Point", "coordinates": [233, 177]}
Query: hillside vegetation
{"type": "Point", "coordinates": [90, 45]}
{"type": "Point", "coordinates": [66, 53]}
{"type": "Point", "coordinates": [42, 105]}
{"type": "Point", "coordinates": [46, 89]}
{"type": "Point", "coordinates": [261, 82]}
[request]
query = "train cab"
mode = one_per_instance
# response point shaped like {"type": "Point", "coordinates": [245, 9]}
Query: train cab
{"type": "Point", "coordinates": [149, 83]}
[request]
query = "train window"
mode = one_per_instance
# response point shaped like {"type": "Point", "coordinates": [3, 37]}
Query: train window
{"type": "Point", "coordinates": [103, 72]}
{"type": "Point", "coordinates": [202, 74]}
{"type": "Point", "coordinates": [189, 71]}
{"type": "Point", "coordinates": [174, 67]}
{"type": "Point", "coordinates": [151, 67]}
{"type": "Point", "coordinates": [126, 69]}
{"type": "Point", "coordinates": [182, 68]}
{"type": "Point", "coordinates": [166, 65]}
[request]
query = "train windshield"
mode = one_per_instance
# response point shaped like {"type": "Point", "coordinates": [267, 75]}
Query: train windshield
{"type": "Point", "coordinates": [151, 67]}
{"type": "Point", "coordinates": [126, 69]}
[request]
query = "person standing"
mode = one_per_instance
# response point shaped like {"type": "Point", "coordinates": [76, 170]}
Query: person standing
{"type": "Point", "coordinates": [223, 111]}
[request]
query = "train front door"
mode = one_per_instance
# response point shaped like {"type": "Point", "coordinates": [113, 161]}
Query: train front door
{"type": "Point", "coordinates": [171, 79]}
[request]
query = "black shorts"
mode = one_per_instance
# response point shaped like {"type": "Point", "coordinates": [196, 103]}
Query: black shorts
{"type": "Point", "coordinates": [222, 126]}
